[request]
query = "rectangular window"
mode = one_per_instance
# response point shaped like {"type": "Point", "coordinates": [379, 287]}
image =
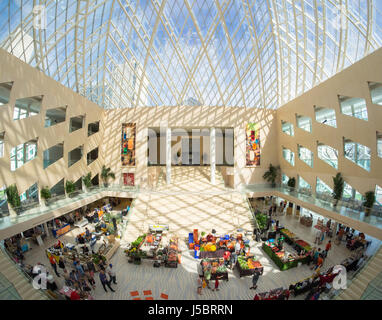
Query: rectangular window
{"type": "Point", "coordinates": [287, 128]}
{"type": "Point", "coordinates": [328, 155]}
{"type": "Point", "coordinates": [379, 144]}
{"type": "Point", "coordinates": [23, 153]}
{"type": "Point", "coordinates": [93, 128]}
{"type": "Point", "coordinates": [376, 93]}
{"type": "Point", "coordinates": [288, 155]}
{"type": "Point", "coordinates": [304, 123]}
{"type": "Point", "coordinates": [326, 116]}
{"type": "Point", "coordinates": [305, 155]}
{"type": "Point", "coordinates": [354, 107]}
{"type": "Point", "coordinates": [357, 153]}
{"type": "Point", "coordinates": [76, 123]}
{"type": "Point", "coordinates": [92, 156]}
{"type": "Point", "coordinates": [5, 92]}
{"type": "Point", "coordinates": [2, 135]}
{"type": "Point", "coordinates": [55, 116]}
{"type": "Point", "coordinates": [27, 107]}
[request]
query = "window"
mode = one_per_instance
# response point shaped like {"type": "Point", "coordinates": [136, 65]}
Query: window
{"type": "Point", "coordinates": [304, 123]}
{"type": "Point", "coordinates": [303, 185]}
{"type": "Point", "coordinates": [27, 107]}
{"type": "Point", "coordinates": [2, 144]}
{"type": "Point", "coordinates": [55, 116]}
{"type": "Point", "coordinates": [326, 116]}
{"type": "Point", "coordinates": [287, 128]}
{"type": "Point", "coordinates": [354, 107]}
{"type": "Point", "coordinates": [379, 144]}
{"type": "Point", "coordinates": [74, 156]}
{"type": "Point", "coordinates": [376, 92]}
{"type": "Point", "coordinates": [53, 154]}
{"type": "Point", "coordinates": [23, 153]}
{"type": "Point", "coordinates": [323, 188]}
{"type": "Point", "coordinates": [351, 194]}
{"type": "Point", "coordinates": [93, 128]}
{"type": "Point", "coordinates": [5, 92]}
{"type": "Point", "coordinates": [92, 156]}
{"type": "Point", "coordinates": [378, 195]}
{"type": "Point", "coordinates": [284, 179]}
{"type": "Point", "coordinates": [357, 153]}
{"type": "Point", "coordinates": [288, 155]}
{"type": "Point", "coordinates": [76, 123]}
{"type": "Point", "coordinates": [30, 195]}
{"type": "Point", "coordinates": [305, 155]}
{"type": "Point", "coordinates": [328, 155]}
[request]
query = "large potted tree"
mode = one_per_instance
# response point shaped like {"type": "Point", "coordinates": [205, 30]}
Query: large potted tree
{"type": "Point", "coordinates": [87, 180]}
{"type": "Point", "coordinates": [338, 188]}
{"type": "Point", "coordinates": [292, 183]}
{"type": "Point", "coordinates": [272, 174]}
{"type": "Point", "coordinates": [45, 194]}
{"type": "Point", "coordinates": [13, 199]}
{"type": "Point", "coordinates": [369, 202]}
{"type": "Point", "coordinates": [70, 187]}
{"type": "Point", "coordinates": [106, 173]}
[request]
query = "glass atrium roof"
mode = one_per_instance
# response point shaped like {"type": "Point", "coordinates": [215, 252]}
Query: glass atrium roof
{"type": "Point", "coordinates": [252, 53]}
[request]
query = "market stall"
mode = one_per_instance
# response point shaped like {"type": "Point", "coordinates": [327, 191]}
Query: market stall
{"type": "Point", "coordinates": [216, 267]}
{"type": "Point", "coordinates": [247, 265]}
{"type": "Point", "coordinates": [283, 260]}
{"type": "Point", "coordinates": [172, 257]}
{"type": "Point", "coordinates": [276, 294]}
{"type": "Point", "coordinates": [61, 231]}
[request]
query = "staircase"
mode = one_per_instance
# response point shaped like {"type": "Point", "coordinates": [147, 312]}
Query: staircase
{"type": "Point", "coordinates": [20, 282]}
{"type": "Point", "coordinates": [360, 283]}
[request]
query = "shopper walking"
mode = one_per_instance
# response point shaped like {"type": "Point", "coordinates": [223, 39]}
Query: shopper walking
{"type": "Point", "coordinates": [255, 278]}
{"type": "Point", "coordinates": [53, 263]}
{"type": "Point", "coordinates": [104, 281]}
{"type": "Point", "coordinates": [217, 283]}
{"type": "Point", "coordinates": [111, 272]}
{"type": "Point", "coordinates": [61, 263]}
{"type": "Point", "coordinates": [317, 235]}
{"type": "Point", "coordinates": [327, 248]}
{"type": "Point", "coordinates": [200, 284]}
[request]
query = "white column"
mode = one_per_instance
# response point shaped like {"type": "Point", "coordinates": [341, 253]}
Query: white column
{"type": "Point", "coordinates": [46, 229]}
{"type": "Point", "coordinates": [168, 155]}
{"type": "Point", "coordinates": [212, 154]}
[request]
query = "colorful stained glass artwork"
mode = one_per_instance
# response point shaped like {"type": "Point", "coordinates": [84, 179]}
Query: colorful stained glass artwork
{"type": "Point", "coordinates": [252, 131]}
{"type": "Point", "coordinates": [128, 144]}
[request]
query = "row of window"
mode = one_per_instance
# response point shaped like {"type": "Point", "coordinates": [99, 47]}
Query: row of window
{"type": "Point", "coordinates": [323, 189]}
{"type": "Point", "coordinates": [354, 107]}
{"type": "Point", "coordinates": [355, 152]}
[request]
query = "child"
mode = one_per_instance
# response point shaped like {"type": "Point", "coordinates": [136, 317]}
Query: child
{"type": "Point", "coordinates": [216, 283]}
{"type": "Point", "coordinates": [200, 285]}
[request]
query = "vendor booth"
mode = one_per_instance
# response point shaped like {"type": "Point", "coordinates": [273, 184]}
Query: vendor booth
{"type": "Point", "coordinates": [247, 266]}
{"type": "Point", "coordinates": [216, 267]}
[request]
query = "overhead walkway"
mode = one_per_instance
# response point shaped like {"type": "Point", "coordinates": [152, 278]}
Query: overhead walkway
{"type": "Point", "coordinates": [357, 219]}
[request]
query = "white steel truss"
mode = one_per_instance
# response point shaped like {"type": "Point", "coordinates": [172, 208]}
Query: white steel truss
{"type": "Point", "coordinates": [242, 53]}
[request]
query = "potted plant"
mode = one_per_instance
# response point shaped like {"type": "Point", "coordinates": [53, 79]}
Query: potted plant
{"type": "Point", "coordinates": [291, 183]}
{"type": "Point", "coordinates": [70, 187]}
{"type": "Point", "coordinates": [13, 198]}
{"type": "Point", "coordinates": [272, 174]}
{"type": "Point", "coordinates": [369, 202]}
{"type": "Point", "coordinates": [106, 173]}
{"type": "Point", "coordinates": [87, 180]}
{"type": "Point", "coordinates": [338, 188]}
{"type": "Point", "coordinates": [45, 194]}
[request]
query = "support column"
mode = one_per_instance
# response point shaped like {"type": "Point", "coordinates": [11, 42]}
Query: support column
{"type": "Point", "coordinates": [213, 154]}
{"type": "Point", "coordinates": [46, 229]}
{"type": "Point", "coordinates": [168, 155]}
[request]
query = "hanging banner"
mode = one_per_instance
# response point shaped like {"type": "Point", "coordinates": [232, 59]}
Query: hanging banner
{"type": "Point", "coordinates": [252, 145]}
{"type": "Point", "coordinates": [128, 144]}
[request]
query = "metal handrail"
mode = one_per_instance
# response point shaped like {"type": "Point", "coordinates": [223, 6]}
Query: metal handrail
{"type": "Point", "coordinates": [21, 271]}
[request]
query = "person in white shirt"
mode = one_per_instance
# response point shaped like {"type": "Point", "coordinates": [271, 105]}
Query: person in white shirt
{"type": "Point", "coordinates": [111, 273]}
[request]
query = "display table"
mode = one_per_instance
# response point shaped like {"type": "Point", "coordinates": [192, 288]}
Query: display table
{"type": "Point", "coordinates": [248, 272]}
{"type": "Point", "coordinates": [280, 263]}
{"type": "Point", "coordinates": [221, 271]}
{"type": "Point", "coordinates": [212, 254]}
{"type": "Point", "coordinates": [288, 235]}
{"type": "Point", "coordinates": [276, 294]}
{"type": "Point", "coordinates": [60, 231]}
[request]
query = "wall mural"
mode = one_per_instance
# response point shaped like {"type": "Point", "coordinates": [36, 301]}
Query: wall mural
{"type": "Point", "coordinates": [128, 144]}
{"type": "Point", "coordinates": [252, 144]}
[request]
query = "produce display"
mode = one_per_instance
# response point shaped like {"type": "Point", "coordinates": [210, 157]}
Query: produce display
{"type": "Point", "coordinates": [247, 265]}
{"type": "Point", "coordinates": [288, 233]}
{"type": "Point", "coordinates": [304, 245]}
{"type": "Point", "coordinates": [262, 220]}
{"type": "Point", "coordinates": [216, 267]}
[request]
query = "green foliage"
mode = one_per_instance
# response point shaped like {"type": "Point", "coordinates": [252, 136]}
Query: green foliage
{"type": "Point", "coordinates": [13, 197]}
{"type": "Point", "coordinates": [70, 186]}
{"type": "Point", "coordinates": [203, 234]}
{"type": "Point", "coordinates": [106, 173]}
{"type": "Point", "coordinates": [87, 180]}
{"type": "Point", "coordinates": [137, 242]}
{"type": "Point", "coordinates": [338, 188]}
{"type": "Point", "coordinates": [369, 199]}
{"type": "Point", "coordinates": [262, 220]}
{"type": "Point", "coordinates": [292, 182]}
{"type": "Point", "coordinates": [45, 193]}
{"type": "Point", "coordinates": [272, 174]}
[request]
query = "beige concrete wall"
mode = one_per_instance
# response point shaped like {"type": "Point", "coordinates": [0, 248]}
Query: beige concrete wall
{"type": "Point", "coordinates": [30, 82]}
{"type": "Point", "coordinates": [353, 82]}
{"type": "Point", "coordinates": [190, 117]}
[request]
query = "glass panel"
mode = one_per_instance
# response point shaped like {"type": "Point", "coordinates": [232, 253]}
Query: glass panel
{"type": "Point", "coordinates": [284, 179]}
{"type": "Point", "coordinates": [354, 107]}
{"type": "Point", "coordinates": [304, 123]}
{"type": "Point", "coordinates": [322, 187]}
{"type": "Point", "coordinates": [328, 154]}
{"type": "Point", "coordinates": [305, 155]}
{"type": "Point", "coordinates": [376, 93]}
{"type": "Point", "coordinates": [358, 153]}
{"type": "Point", "coordinates": [302, 184]}
{"type": "Point", "coordinates": [288, 156]}
{"type": "Point", "coordinates": [379, 144]}
{"type": "Point", "coordinates": [326, 116]}
{"type": "Point", "coordinates": [287, 128]}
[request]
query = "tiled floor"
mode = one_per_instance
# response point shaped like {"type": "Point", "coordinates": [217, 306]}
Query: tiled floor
{"type": "Point", "coordinates": [184, 211]}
